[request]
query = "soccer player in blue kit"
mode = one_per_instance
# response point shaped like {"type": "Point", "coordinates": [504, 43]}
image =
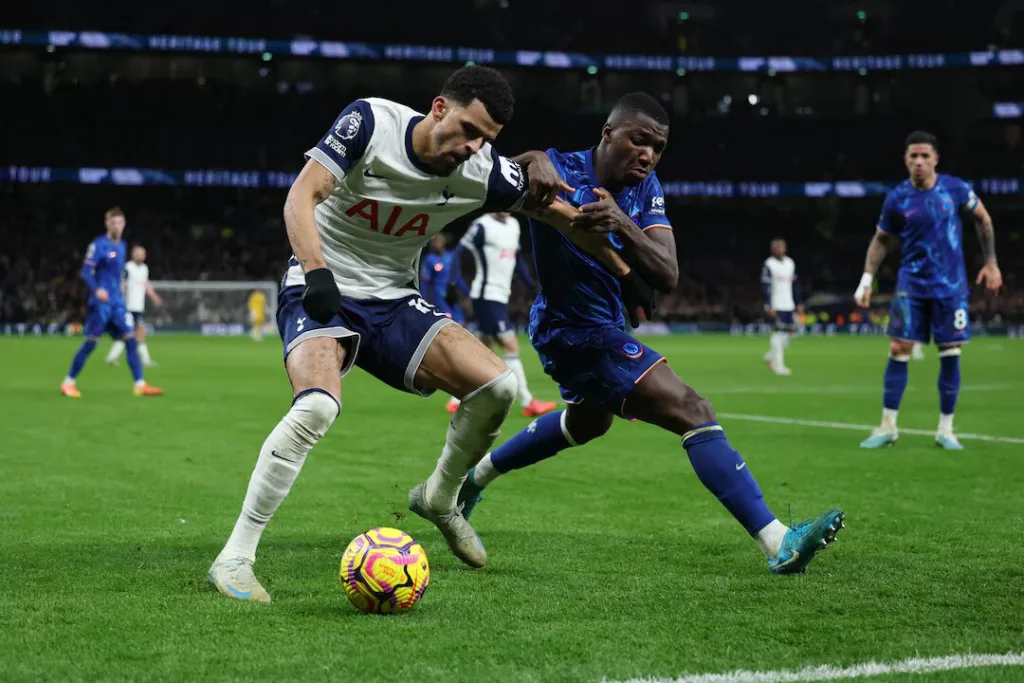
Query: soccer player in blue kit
{"type": "Point", "coordinates": [576, 325]}
{"type": "Point", "coordinates": [435, 277]}
{"type": "Point", "coordinates": [931, 288]}
{"type": "Point", "coordinates": [102, 271]}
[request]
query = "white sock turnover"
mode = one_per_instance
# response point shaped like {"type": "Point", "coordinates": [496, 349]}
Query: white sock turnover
{"type": "Point", "coordinates": [769, 539]}
{"type": "Point", "coordinates": [516, 366]}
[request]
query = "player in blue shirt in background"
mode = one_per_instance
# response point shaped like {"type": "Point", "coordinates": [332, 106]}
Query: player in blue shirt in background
{"type": "Point", "coordinates": [102, 271]}
{"type": "Point", "coordinates": [931, 288]}
{"type": "Point", "coordinates": [576, 325]}
{"type": "Point", "coordinates": [436, 276]}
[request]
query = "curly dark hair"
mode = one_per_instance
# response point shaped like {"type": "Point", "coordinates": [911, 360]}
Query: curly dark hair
{"type": "Point", "coordinates": [485, 84]}
{"type": "Point", "coordinates": [921, 137]}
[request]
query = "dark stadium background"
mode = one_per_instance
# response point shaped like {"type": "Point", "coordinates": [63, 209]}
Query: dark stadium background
{"type": "Point", "coordinates": [68, 107]}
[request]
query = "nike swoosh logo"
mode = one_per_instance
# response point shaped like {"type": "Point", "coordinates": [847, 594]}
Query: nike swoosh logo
{"type": "Point", "coordinates": [242, 595]}
{"type": "Point", "coordinates": [738, 467]}
{"type": "Point", "coordinates": [368, 174]}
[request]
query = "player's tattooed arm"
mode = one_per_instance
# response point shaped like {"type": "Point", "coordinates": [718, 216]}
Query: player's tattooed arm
{"type": "Point", "coordinates": [313, 185]}
{"type": "Point", "coordinates": [990, 275]}
{"type": "Point", "coordinates": [877, 250]}
{"type": "Point", "coordinates": [560, 215]}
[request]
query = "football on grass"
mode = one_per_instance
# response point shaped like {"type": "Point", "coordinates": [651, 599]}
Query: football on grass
{"type": "Point", "coordinates": [384, 571]}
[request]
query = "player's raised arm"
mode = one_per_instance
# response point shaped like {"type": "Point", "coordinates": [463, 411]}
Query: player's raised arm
{"type": "Point", "coordinates": [560, 215]}
{"type": "Point", "coordinates": [990, 275]}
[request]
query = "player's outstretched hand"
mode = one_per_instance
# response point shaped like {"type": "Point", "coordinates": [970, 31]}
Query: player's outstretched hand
{"type": "Point", "coordinates": [545, 180]}
{"type": "Point", "coordinates": [991, 277]}
{"type": "Point", "coordinates": [321, 299]}
{"type": "Point", "coordinates": [637, 296]}
{"type": "Point", "coordinates": [603, 215]}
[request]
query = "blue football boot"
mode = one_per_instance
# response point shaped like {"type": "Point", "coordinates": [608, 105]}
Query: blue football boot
{"type": "Point", "coordinates": [469, 495]}
{"type": "Point", "coordinates": [803, 541]}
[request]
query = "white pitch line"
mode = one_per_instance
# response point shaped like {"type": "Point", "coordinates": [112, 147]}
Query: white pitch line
{"type": "Point", "coordinates": [834, 389]}
{"type": "Point", "coordinates": [831, 673]}
{"type": "Point", "coordinates": [861, 428]}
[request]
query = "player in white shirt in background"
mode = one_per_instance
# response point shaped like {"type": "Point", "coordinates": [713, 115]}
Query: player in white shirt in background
{"type": "Point", "coordinates": [136, 288]}
{"type": "Point", "coordinates": [781, 294]}
{"type": "Point", "coordinates": [493, 241]}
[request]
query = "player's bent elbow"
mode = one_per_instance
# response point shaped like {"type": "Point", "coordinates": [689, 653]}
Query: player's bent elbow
{"type": "Point", "coordinates": [667, 280]}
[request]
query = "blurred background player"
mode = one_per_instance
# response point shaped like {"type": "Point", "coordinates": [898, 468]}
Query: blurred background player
{"type": "Point", "coordinates": [782, 301]}
{"type": "Point", "coordinates": [931, 288]}
{"type": "Point", "coordinates": [436, 278]}
{"type": "Point", "coordinates": [576, 325]}
{"type": "Point", "coordinates": [257, 313]}
{"type": "Point", "coordinates": [493, 241]}
{"type": "Point", "coordinates": [102, 270]}
{"type": "Point", "coordinates": [136, 287]}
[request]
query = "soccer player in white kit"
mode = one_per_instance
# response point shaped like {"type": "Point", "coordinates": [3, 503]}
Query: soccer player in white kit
{"type": "Point", "coordinates": [781, 299]}
{"type": "Point", "coordinates": [136, 289]}
{"type": "Point", "coordinates": [377, 186]}
{"type": "Point", "coordinates": [493, 242]}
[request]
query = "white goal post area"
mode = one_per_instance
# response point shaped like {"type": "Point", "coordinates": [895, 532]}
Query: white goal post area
{"type": "Point", "coordinates": [210, 307]}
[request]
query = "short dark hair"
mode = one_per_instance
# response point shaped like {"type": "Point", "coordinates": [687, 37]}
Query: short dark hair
{"type": "Point", "coordinates": [921, 137]}
{"type": "Point", "coordinates": [485, 84]}
{"type": "Point", "coordinates": [640, 103]}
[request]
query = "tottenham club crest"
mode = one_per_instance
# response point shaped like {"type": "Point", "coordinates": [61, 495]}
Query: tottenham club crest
{"type": "Point", "coordinates": [348, 125]}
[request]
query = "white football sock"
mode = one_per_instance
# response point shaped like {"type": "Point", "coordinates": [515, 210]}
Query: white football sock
{"type": "Point", "coordinates": [116, 349]}
{"type": "Point", "coordinates": [68, 380]}
{"type": "Point", "coordinates": [516, 366]}
{"type": "Point", "coordinates": [144, 354]}
{"type": "Point", "coordinates": [945, 424]}
{"type": "Point", "coordinates": [471, 432]}
{"type": "Point", "coordinates": [889, 417]}
{"type": "Point", "coordinates": [485, 472]}
{"type": "Point", "coordinates": [778, 341]}
{"type": "Point", "coordinates": [280, 461]}
{"type": "Point", "coordinates": [769, 539]}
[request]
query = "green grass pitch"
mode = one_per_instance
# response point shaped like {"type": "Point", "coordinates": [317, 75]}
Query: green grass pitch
{"type": "Point", "coordinates": [608, 562]}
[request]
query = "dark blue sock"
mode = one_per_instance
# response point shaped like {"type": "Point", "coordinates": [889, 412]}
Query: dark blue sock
{"type": "Point", "coordinates": [895, 382]}
{"type": "Point", "coordinates": [723, 472]}
{"type": "Point", "coordinates": [949, 382]}
{"type": "Point", "coordinates": [131, 350]}
{"type": "Point", "coordinates": [81, 355]}
{"type": "Point", "coordinates": [539, 441]}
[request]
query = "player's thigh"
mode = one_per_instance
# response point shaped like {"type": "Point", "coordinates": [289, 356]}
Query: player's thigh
{"type": "Point", "coordinates": [950, 321]}
{"type": "Point", "coordinates": [316, 363]}
{"type": "Point", "coordinates": [457, 362]}
{"type": "Point", "coordinates": [587, 421]}
{"type": "Point", "coordinates": [121, 324]}
{"type": "Point", "coordinates": [661, 398]}
{"type": "Point", "coordinates": [909, 320]}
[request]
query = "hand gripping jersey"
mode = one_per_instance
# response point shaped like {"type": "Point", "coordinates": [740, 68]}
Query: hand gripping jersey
{"type": "Point", "coordinates": [387, 203]}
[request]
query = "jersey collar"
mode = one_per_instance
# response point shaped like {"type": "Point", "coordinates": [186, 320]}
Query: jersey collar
{"type": "Point", "coordinates": [415, 160]}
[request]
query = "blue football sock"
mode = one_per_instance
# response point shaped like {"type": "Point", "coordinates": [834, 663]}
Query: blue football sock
{"type": "Point", "coordinates": [723, 472]}
{"type": "Point", "coordinates": [540, 440]}
{"type": "Point", "coordinates": [896, 372]}
{"type": "Point", "coordinates": [131, 350]}
{"type": "Point", "coordinates": [81, 355]}
{"type": "Point", "coordinates": [949, 380]}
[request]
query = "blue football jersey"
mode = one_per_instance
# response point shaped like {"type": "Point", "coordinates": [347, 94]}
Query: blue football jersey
{"type": "Point", "coordinates": [104, 262]}
{"type": "Point", "coordinates": [575, 289]}
{"type": "Point", "coordinates": [928, 223]}
{"type": "Point", "coordinates": [436, 276]}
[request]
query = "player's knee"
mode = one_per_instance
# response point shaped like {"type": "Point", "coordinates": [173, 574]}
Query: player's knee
{"type": "Point", "coordinates": [582, 430]}
{"type": "Point", "coordinates": [313, 412]}
{"type": "Point", "coordinates": [687, 411]}
{"type": "Point", "coordinates": [497, 395]}
{"type": "Point", "coordinates": [898, 347]}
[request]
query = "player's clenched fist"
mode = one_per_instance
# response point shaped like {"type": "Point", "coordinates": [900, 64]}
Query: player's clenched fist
{"type": "Point", "coordinates": [637, 296]}
{"type": "Point", "coordinates": [321, 298]}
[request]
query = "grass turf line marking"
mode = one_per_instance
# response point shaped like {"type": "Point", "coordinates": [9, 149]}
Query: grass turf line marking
{"type": "Point", "coordinates": [865, 670]}
{"type": "Point", "coordinates": [845, 425]}
{"type": "Point", "coordinates": [832, 389]}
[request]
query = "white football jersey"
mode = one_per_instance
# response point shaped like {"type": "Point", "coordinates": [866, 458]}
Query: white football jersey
{"type": "Point", "coordinates": [777, 279]}
{"type": "Point", "coordinates": [136, 277]}
{"type": "Point", "coordinates": [388, 204]}
{"type": "Point", "coordinates": [494, 245]}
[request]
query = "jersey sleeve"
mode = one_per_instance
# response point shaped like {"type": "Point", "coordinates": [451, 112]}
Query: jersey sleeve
{"type": "Point", "coordinates": [346, 141]}
{"type": "Point", "coordinates": [506, 184]}
{"type": "Point", "coordinates": [469, 239]}
{"type": "Point", "coordinates": [889, 218]}
{"type": "Point", "coordinates": [965, 196]}
{"type": "Point", "coordinates": [653, 212]}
